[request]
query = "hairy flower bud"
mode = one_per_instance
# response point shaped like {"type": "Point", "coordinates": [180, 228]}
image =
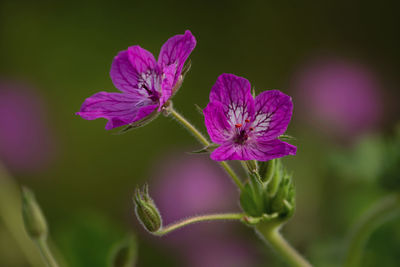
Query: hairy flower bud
{"type": "Point", "coordinates": [273, 196]}
{"type": "Point", "coordinates": [284, 199]}
{"type": "Point", "coordinates": [146, 211]}
{"type": "Point", "coordinates": [34, 220]}
{"type": "Point", "coordinates": [251, 165]}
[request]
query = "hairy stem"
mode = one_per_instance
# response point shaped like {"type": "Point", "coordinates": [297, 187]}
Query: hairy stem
{"type": "Point", "coordinates": [196, 219]}
{"type": "Point", "coordinates": [46, 253]}
{"type": "Point", "coordinates": [203, 140]}
{"type": "Point", "coordinates": [270, 233]}
{"type": "Point", "coordinates": [380, 212]}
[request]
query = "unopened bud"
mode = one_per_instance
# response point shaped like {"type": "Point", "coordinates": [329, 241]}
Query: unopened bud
{"type": "Point", "coordinates": [251, 166]}
{"type": "Point", "coordinates": [284, 200]}
{"type": "Point", "coordinates": [34, 220]}
{"type": "Point", "coordinates": [273, 196]}
{"type": "Point", "coordinates": [276, 175]}
{"type": "Point", "coordinates": [146, 211]}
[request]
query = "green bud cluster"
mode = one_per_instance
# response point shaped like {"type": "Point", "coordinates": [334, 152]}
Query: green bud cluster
{"type": "Point", "coordinates": [146, 210]}
{"type": "Point", "coordinates": [270, 192]}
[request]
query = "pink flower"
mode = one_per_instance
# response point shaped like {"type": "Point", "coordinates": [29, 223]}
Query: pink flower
{"type": "Point", "coordinates": [145, 84]}
{"type": "Point", "coordinates": [247, 128]}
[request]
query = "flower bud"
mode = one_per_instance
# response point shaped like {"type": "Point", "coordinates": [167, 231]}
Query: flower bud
{"type": "Point", "coordinates": [34, 220]}
{"type": "Point", "coordinates": [284, 200]}
{"type": "Point", "coordinates": [266, 169]}
{"type": "Point", "coordinates": [251, 165]}
{"type": "Point", "coordinates": [146, 211]}
{"type": "Point", "coordinates": [273, 196]}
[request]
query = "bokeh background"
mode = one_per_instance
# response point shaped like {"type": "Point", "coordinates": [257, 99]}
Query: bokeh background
{"type": "Point", "coordinates": [338, 59]}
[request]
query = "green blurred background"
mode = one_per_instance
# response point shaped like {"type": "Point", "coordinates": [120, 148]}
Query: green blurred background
{"type": "Point", "coordinates": [63, 51]}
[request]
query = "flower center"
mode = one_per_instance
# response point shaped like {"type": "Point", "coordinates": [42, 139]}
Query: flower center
{"type": "Point", "coordinates": [150, 84]}
{"type": "Point", "coordinates": [153, 95]}
{"type": "Point", "coordinates": [241, 137]}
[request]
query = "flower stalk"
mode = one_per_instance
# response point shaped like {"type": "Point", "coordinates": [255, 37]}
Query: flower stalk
{"type": "Point", "coordinates": [202, 218]}
{"type": "Point", "coordinates": [46, 253]}
{"type": "Point", "coordinates": [269, 231]}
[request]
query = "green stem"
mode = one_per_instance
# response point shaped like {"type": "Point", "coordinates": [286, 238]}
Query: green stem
{"type": "Point", "coordinates": [46, 253]}
{"type": "Point", "coordinates": [374, 217]}
{"type": "Point", "coordinates": [189, 127]}
{"type": "Point", "coordinates": [203, 140]}
{"type": "Point", "coordinates": [232, 173]}
{"type": "Point", "coordinates": [201, 218]}
{"type": "Point", "coordinates": [270, 234]}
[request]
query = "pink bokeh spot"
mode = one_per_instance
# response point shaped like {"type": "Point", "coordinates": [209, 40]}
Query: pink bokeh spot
{"type": "Point", "coordinates": [26, 143]}
{"type": "Point", "coordinates": [342, 96]}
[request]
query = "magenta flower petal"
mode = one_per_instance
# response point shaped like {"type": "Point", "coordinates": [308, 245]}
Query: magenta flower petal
{"type": "Point", "coordinates": [118, 108]}
{"type": "Point", "coordinates": [167, 84]}
{"type": "Point", "coordinates": [123, 75]}
{"type": "Point", "coordinates": [235, 95]}
{"type": "Point", "coordinates": [267, 150]}
{"type": "Point", "coordinates": [144, 112]}
{"type": "Point", "coordinates": [273, 112]}
{"type": "Point", "coordinates": [247, 128]}
{"type": "Point", "coordinates": [260, 150]}
{"type": "Point", "coordinates": [129, 68]}
{"type": "Point", "coordinates": [142, 60]}
{"type": "Point", "coordinates": [225, 152]}
{"type": "Point", "coordinates": [216, 122]}
{"type": "Point", "coordinates": [176, 50]}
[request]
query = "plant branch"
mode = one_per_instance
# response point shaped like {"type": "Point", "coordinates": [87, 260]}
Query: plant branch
{"type": "Point", "coordinates": [196, 219]}
{"type": "Point", "coordinates": [269, 231]}
{"type": "Point", "coordinates": [46, 253]}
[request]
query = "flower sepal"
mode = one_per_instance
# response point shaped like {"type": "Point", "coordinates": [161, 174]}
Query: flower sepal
{"type": "Point", "coordinates": [137, 124]}
{"type": "Point", "coordinates": [206, 150]}
{"type": "Point", "coordinates": [181, 78]}
{"type": "Point", "coordinates": [256, 220]}
{"type": "Point", "coordinates": [146, 210]}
